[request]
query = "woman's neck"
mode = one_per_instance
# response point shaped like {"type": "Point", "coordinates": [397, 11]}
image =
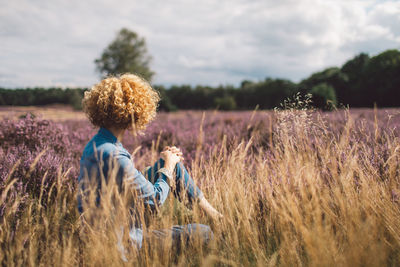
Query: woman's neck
{"type": "Point", "coordinates": [117, 132]}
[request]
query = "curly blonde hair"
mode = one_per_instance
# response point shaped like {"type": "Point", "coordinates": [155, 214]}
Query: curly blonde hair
{"type": "Point", "coordinates": [120, 102]}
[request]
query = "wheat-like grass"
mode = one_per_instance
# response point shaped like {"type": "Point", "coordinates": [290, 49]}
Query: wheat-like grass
{"type": "Point", "coordinates": [309, 199]}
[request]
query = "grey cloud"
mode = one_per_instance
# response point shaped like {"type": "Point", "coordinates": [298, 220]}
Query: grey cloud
{"type": "Point", "coordinates": [196, 42]}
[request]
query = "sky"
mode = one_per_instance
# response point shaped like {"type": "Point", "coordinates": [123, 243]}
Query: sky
{"type": "Point", "coordinates": [208, 42]}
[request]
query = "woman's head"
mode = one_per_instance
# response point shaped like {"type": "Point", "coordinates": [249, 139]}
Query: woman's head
{"type": "Point", "coordinates": [119, 102]}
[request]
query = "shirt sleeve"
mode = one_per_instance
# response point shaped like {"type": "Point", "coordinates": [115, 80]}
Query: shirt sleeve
{"type": "Point", "coordinates": [152, 194]}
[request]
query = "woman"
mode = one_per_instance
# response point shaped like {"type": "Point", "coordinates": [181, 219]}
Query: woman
{"type": "Point", "coordinates": [128, 102]}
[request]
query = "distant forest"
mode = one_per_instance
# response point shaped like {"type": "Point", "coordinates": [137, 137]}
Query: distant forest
{"type": "Point", "coordinates": [361, 82]}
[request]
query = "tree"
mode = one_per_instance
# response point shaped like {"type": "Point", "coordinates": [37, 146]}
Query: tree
{"type": "Point", "coordinates": [165, 103]}
{"type": "Point", "coordinates": [127, 53]}
{"type": "Point", "coordinates": [354, 91]}
{"type": "Point", "coordinates": [225, 103]}
{"type": "Point", "coordinates": [382, 79]}
{"type": "Point", "coordinates": [323, 96]}
{"type": "Point", "coordinates": [355, 67]}
{"type": "Point", "coordinates": [333, 77]}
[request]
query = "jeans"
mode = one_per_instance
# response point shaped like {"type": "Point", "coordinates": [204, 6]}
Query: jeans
{"type": "Point", "coordinates": [179, 234]}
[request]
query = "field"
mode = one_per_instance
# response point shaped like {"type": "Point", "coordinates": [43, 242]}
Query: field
{"type": "Point", "coordinates": [297, 187]}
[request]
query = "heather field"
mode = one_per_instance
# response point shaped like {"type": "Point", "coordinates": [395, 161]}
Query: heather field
{"type": "Point", "coordinates": [297, 187]}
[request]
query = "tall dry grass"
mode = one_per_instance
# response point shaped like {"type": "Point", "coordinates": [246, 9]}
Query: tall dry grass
{"type": "Point", "coordinates": [310, 198]}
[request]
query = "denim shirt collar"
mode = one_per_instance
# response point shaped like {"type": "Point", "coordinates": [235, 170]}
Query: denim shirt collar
{"type": "Point", "coordinates": [103, 132]}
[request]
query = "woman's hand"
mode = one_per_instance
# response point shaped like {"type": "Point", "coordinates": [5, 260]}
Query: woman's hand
{"type": "Point", "coordinates": [176, 150]}
{"type": "Point", "coordinates": [171, 156]}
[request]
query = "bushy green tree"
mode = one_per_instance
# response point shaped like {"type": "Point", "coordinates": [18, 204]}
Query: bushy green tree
{"type": "Point", "coordinates": [331, 76]}
{"type": "Point", "coordinates": [355, 67]}
{"type": "Point", "coordinates": [373, 80]}
{"type": "Point", "coordinates": [181, 96]}
{"type": "Point", "coordinates": [266, 94]}
{"type": "Point", "coordinates": [381, 81]}
{"type": "Point", "coordinates": [165, 103]}
{"type": "Point", "coordinates": [74, 97]}
{"type": "Point", "coordinates": [323, 96]}
{"type": "Point", "coordinates": [126, 53]}
{"type": "Point", "coordinates": [225, 103]}
{"type": "Point", "coordinates": [353, 92]}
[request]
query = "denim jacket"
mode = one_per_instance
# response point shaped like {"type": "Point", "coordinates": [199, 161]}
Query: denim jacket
{"type": "Point", "coordinates": [104, 150]}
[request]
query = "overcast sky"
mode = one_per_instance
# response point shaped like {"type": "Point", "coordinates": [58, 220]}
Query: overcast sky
{"type": "Point", "coordinates": [208, 42]}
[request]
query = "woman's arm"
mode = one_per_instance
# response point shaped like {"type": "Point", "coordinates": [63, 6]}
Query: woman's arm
{"type": "Point", "coordinates": [210, 210]}
{"type": "Point", "coordinates": [152, 194]}
{"type": "Point", "coordinates": [203, 202]}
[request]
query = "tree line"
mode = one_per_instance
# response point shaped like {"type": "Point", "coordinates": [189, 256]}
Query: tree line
{"type": "Point", "coordinates": [42, 96]}
{"type": "Point", "coordinates": [361, 82]}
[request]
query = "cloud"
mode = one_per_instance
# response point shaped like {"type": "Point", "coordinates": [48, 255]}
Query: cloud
{"type": "Point", "coordinates": [46, 43]}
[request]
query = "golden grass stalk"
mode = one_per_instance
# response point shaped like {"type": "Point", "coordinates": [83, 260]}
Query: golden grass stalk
{"type": "Point", "coordinates": [311, 199]}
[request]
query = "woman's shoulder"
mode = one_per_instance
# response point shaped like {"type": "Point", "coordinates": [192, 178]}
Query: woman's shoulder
{"type": "Point", "coordinates": [103, 146]}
